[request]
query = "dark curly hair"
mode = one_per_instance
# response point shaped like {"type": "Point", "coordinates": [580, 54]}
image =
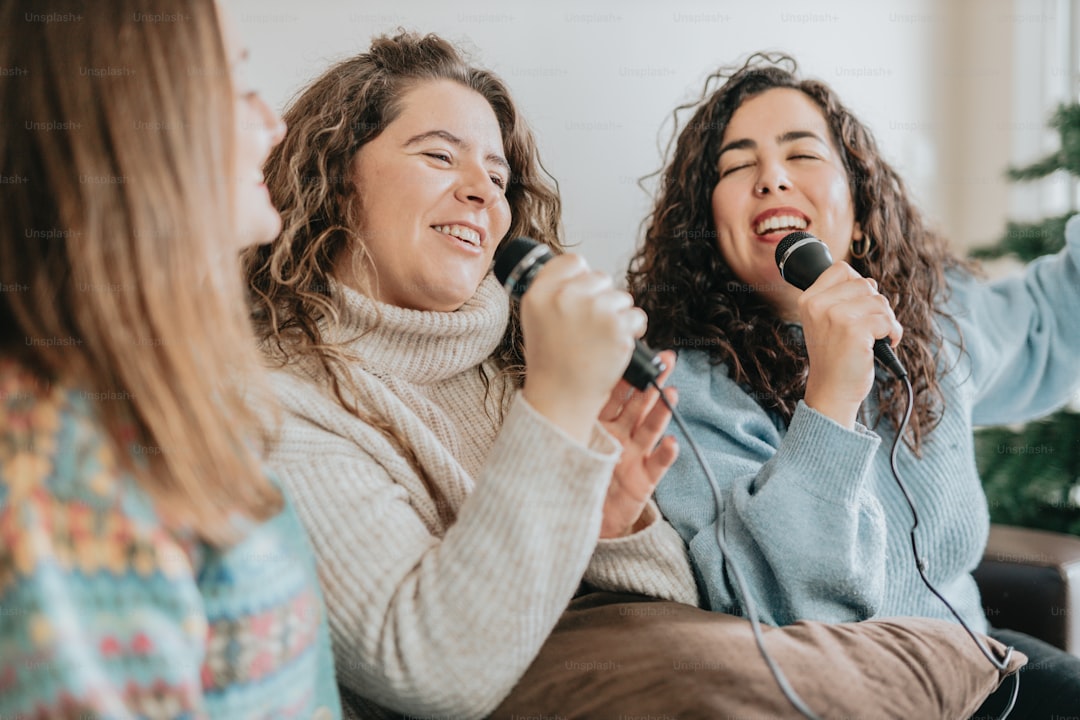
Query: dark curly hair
{"type": "Point", "coordinates": [679, 275]}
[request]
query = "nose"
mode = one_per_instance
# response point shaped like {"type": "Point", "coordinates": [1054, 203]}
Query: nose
{"type": "Point", "coordinates": [772, 178]}
{"type": "Point", "coordinates": [271, 121]}
{"type": "Point", "coordinates": [476, 186]}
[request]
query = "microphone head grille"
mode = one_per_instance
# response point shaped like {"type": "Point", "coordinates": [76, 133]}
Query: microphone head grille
{"type": "Point", "coordinates": [507, 258]}
{"type": "Point", "coordinates": [789, 240]}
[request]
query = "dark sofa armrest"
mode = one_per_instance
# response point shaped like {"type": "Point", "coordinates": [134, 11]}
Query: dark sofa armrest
{"type": "Point", "coordinates": [1030, 582]}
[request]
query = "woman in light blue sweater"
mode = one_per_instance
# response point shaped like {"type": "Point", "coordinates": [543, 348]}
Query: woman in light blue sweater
{"type": "Point", "coordinates": [780, 387]}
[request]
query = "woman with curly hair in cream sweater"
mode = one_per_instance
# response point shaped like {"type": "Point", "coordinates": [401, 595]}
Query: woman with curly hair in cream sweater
{"type": "Point", "coordinates": [455, 501]}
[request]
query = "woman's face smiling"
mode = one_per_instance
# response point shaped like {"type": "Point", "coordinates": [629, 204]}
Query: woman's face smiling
{"type": "Point", "coordinates": [780, 171]}
{"type": "Point", "coordinates": [257, 130]}
{"type": "Point", "coordinates": [432, 194]}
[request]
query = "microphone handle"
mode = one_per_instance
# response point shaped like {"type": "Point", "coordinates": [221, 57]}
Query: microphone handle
{"type": "Point", "coordinates": [645, 366]}
{"type": "Point", "coordinates": [515, 272]}
{"type": "Point", "coordinates": [884, 352]}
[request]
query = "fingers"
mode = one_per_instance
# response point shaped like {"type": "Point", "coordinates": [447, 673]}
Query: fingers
{"type": "Point", "coordinates": [579, 333]}
{"type": "Point", "coordinates": [668, 357]}
{"type": "Point", "coordinates": [871, 317]}
{"type": "Point", "coordinates": [573, 283]}
{"type": "Point", "coordinates": [626, 406]}
{"type": "Point", "coordinates": [560, 268]}
{"type": "Point", "coordinates": [662, 458]}
{"type": "Point", "coordinates": [835, 274]}
{"type": "Point", "coordinates": [649, 431]}
{"type": "Point", "coordinates": [637, 321]}
{"type": "Point", "coordinates": [643, 420]}
{"type": "Point", "coordinates": [839, 281]}
{"type": "Point", "coordinates": [842, 298]}
{"type": "Point", "coordinates": [614, 406]}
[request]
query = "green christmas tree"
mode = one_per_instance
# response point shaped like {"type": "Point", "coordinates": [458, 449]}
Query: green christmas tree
{"type": "Point", "coordinates": [1032, 474]}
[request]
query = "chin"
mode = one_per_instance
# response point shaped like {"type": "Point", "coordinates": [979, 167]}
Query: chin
{"type": "Point", "coordinates": [264, 230]}
{"type": "Point", "coordinates": [442, 305]}
{"type": "Point", "coordinates": [446, 301]}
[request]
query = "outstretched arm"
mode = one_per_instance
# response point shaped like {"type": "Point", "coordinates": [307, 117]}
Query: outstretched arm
{"type": "Point", "coordinates": [1022, 336]}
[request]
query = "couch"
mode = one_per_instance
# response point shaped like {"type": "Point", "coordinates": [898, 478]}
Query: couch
{"type": "Point", "coordinates": [1030, 582]}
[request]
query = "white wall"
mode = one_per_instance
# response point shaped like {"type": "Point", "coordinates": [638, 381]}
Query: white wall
{"type": "Point", "coordinates": [597, 80]}
{"type": "Point", "coordinates": [1043, 59]}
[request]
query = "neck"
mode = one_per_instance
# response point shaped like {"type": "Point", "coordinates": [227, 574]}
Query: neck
{"type": "Point", "coordinates": [421, 345]}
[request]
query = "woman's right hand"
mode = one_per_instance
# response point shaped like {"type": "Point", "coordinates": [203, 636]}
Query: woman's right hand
{"type": "Point", "coordinates": [842, 316]}
{"type": "Point", "coordinates": [579, 335]}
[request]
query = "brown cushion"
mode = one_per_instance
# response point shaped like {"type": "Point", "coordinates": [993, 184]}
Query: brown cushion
{"type": "Point", "coordinates": [627, 656]}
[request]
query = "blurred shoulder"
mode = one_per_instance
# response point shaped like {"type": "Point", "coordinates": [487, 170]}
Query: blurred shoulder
{"type": "Point", "coordinates": [52, 442]}
{"type": "Point", "coordinates": [696, 369]}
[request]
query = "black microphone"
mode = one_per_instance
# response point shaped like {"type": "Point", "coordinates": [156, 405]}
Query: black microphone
{"type": "Point", "coordinates": [517, 263]}
{"type": "Point", "coordinates": [801, 258]}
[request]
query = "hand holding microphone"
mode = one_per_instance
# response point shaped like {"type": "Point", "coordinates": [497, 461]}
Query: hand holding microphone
{"type": "Point", "coordinates": [846, 323]}
{"type": "Point", "coordinates": [579, 333]}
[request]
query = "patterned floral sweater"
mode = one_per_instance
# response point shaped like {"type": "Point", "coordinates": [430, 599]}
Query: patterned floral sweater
{"type": "Point", "coordinates": [105, 614]}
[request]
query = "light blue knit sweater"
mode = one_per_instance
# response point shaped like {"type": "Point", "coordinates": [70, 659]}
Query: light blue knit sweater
{"type": "Point", "coordinates": [106, 613]}
{"type": "Point", "coordinates": [811, 513]}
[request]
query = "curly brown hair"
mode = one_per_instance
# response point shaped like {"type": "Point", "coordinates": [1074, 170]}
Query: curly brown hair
{"type": "Point", "coordinates": [311, 181]}
{"type": "Point", "coordinates": [694, 299]}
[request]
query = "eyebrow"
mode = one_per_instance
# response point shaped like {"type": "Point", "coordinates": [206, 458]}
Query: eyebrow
{"type": "Point", "coordinates": [458, 143]}
{"type": "Point", "coordinates": [790, 136]}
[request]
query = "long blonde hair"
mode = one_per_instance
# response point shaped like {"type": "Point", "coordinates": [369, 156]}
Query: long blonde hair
{"type": "Point", "coordinates": [119, 129]}
{"type": "Point", "coordinates": [311, 182]}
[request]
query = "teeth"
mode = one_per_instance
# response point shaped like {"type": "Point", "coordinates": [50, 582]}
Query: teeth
{"type": "Point", "coordinates": [776, 222]}
{"type": "Point", "coordinates": [460, 231]}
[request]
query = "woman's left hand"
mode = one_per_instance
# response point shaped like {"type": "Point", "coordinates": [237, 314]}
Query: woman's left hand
{"type": "Point", "coordinates": [637, 420]}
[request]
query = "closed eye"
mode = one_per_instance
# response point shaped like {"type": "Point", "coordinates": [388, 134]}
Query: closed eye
{"type": "Point", "coordinates": [730, 170]}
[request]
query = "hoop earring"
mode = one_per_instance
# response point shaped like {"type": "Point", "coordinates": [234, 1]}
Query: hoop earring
{"type": "Point", "coordinates": [861, 248]}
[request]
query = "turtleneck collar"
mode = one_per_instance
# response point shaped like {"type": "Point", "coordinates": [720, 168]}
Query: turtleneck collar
{"type": "Point", "coordinates": [421, 346]}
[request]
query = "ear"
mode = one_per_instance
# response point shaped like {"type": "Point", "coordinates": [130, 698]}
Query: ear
{"type": "Point", "coordinates": [857, 233]}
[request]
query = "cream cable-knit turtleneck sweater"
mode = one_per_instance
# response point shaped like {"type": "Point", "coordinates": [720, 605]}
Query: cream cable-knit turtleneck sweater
{"type": "Point", "coordinates": [441, 619]}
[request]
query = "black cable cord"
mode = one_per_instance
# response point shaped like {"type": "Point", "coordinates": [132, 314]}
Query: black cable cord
{"type": "Point", "coordinates": [921, 565]}
{"type": "Point", "coordinates": [747, 602]}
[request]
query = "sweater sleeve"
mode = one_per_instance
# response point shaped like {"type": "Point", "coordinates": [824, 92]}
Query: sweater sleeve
{"type": "Point", "coordinates": [101, 615]}
{"type": "Point", "coordinates": [652, 561]}
{"type": "Point", "coordinates": [793, 511]}
{"type": "Point", "coordinates": [446, 626]}
{"type": "Point", "coordinates": [1022, 336]}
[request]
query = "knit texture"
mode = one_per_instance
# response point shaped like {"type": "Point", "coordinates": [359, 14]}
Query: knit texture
{"type": "Point", "coordinates": [811, 513]}
{"type": "Point", "coordinates": [104, 613]}
{"type": "Point", "coordinates": [438, 611]}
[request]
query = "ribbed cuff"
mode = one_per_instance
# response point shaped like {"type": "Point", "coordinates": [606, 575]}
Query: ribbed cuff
{"type": "Point", "coordinates": [831, 462]}
{"type": "Point", "coordinates": [652, 561]}
{"type": "Point", "coordinates": [602, 444]}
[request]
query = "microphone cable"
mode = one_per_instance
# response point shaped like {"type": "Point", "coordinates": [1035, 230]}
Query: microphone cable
{"type": "Point", "coordinates": [921, 563]}
{"type": "Point", "coordinates": [748, 603]}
